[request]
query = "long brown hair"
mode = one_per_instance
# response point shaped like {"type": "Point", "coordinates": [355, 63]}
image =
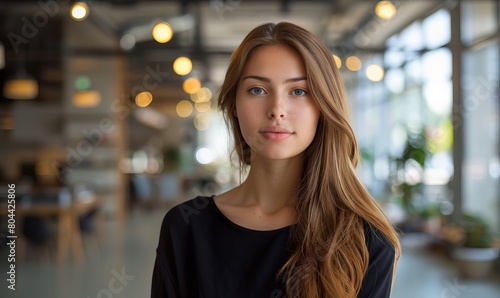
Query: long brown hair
{"type": "Point", "coordinates": [329, 257]}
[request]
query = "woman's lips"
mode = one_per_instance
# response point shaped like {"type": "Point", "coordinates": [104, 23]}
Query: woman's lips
{"type": "Point", "coordinates": [275, 133]}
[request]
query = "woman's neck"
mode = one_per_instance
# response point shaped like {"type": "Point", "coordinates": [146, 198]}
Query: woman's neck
{"type": "Point", "coordinates": [272, 184]}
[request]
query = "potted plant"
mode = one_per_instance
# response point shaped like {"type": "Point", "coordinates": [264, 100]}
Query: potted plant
{"type": "Point", "coordinates": [476, 252]}
{"type": "Point", "coordinates": [407, 177]}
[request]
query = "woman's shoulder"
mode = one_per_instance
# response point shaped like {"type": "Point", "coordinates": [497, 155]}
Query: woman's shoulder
{"type": "Point", "coordinates": [376, 241]}
{"type": "Point", "coordinates": [185, 213]}
{"type": "Point", "coordinates": [379, 273]}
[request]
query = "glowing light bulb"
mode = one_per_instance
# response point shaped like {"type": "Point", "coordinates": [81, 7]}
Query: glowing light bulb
{"type": "Point", "coordinates": [182, 66]}
{"type": "Point", "coordinates": [79, 11]}
{"type": "Point", "coordinates": [385, 10]}
{"type": "Point", "coordinates": [375, 73]}
{"type": "Point", "coordinates": [162, 32]}
{"type": "Point", "coordinates": [191, 85]}
{"type": "Point", "coordinates": [353, 63]}
{"type": "Point", "coordinates": [143, 99]}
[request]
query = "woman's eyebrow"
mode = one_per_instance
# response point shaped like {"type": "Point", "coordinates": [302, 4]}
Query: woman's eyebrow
{"type": "Point", "coordinates": [267, 80]}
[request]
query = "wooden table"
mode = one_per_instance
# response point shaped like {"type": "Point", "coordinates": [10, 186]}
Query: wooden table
{"type": "Point", "coordinates": [69, 238]}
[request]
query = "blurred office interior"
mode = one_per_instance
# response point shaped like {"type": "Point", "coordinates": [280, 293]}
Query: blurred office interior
{"type": "Point", "coordinates": [108, 117]}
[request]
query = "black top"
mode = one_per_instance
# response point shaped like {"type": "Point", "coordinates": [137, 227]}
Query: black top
{"type": "Point", "coordinates": [201, 253]}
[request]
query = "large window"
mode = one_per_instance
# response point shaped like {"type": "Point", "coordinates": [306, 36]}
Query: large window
{"type": "Point", "coordinates": [480, 115]}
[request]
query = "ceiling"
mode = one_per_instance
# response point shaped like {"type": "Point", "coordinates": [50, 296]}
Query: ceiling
{"type": "Point", "coordinates": [207, 31]}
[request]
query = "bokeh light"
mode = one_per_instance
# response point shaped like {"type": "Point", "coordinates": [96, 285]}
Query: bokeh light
{"type": "Point", "coordinates": [143, 99]}
{"type": "Point", "coordinates": [191, 85]}
{"type": "Point", "coordinates": [79, 11]}
{"type": "Point", "coordinates": [82, 83]}
{"type": "Point", "coordinates": [202, 121]}
{"type": "Point", "coordinates": [183, 66]}
{"type": "Point", "coordinates": [204, 156]}
{"type": "Point", "coordinates": [202, 107]}
{"type": "Point", "coordinates": [184, 108]}
{"type": "Point", "coordinates": [353, 63]}
{"type": "Point", "coordinates": [337, 60]}
{"type": "Point", "coordinates": [385, 10]}
{"type": "Point", "coordinates": [203, 95]}
{"type": "Point", "coordinates": [375, 73]}
{"type": "Point", "coordinates": [162, 32]}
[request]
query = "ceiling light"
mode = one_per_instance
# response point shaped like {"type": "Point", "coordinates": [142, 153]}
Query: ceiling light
{"type": "Point", "coordinates": [191, 85]}
{"type": "Point", "coordinates": [385, 10]}
{"type": "Point", "coordinates": [87, 98]}
{"type": "Point", "coordinates": [143, 99]}
{"type": "Point", "coordinates": [375, 73]}
{"type": "Point", "coordinates": [162, 32]}
{"type": "Point", "coordinates": [182, 66]}
{"type": "Point", "coordinates": [79, 11]}
{"type": "Point", "coordinates": [353, 63]}
{"type": "Point", "coordinates": [20, 88]}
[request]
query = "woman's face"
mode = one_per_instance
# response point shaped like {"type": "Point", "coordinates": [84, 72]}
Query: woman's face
{"type": "Point", "coordinates": [277, 116]}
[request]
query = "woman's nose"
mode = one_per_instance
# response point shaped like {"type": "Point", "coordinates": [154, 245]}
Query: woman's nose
{"type": "Point", "coordinates": [277, 109]}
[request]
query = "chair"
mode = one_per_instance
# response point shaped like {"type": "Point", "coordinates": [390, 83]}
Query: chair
{"type": "Point", "coordinates": [144, 191]}
{"type": "Point", "coordinates": [169, 191]}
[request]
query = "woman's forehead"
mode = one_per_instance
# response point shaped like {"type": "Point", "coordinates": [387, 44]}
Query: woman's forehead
{"type": "Point", "coordinates": [274, 61]}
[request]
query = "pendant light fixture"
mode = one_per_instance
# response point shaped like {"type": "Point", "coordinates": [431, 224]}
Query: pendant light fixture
{"type": "Point", "coordinates": [21, 85]}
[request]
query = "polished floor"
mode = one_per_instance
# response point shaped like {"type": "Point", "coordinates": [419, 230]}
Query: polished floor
{"type": "Point", "coordinates": [121, 267]}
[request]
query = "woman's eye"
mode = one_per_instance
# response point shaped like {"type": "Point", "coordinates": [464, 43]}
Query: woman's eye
{"type": "Point", "coordinates": [256, 91]}
{"type": "Point", "coordinates": [299, 92]}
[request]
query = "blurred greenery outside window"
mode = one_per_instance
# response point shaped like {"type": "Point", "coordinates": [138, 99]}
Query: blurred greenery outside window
{"type": "Point", "coordinates": [404, 123]}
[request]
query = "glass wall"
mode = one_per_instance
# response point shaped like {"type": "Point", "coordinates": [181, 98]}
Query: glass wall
{"type": "Point", "coordinates": [404, 122]}
{"type": "Point", "coordinates": [480, 111]}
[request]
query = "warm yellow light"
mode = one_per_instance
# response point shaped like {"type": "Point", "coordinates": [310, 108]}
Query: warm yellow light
{"type": "Point", "coordinates": [385, 10]}
{"type": "Point", "coordinates": [191, 85]}
{"type": "Point", "coordinates": [20, 89]}
{"type": "Point", "coordinates": [203, 95]}
{"type": "Point", "coordinates": [375, 73]}
{"type": "Point", "coordinates": [183, 66]}
{"type": "Point", "coordinates": [202, 122]}
{"type": "Point", "coordinates": [79, 11]}
{"type": "Point", "coordinates": [184, 108]}
{"type": "Point", "coordinates": [143, 99]}
{"type": "Point", "coordinates": [162, 32]}
{"type": "Point", "coordinates": [353, 63]}
{"type": "Point", "coordinates": [202, 107]}
{"type": "Point", "coordinates": [337, 60]}
{"type": "Point", "coordinates": [87, 99]}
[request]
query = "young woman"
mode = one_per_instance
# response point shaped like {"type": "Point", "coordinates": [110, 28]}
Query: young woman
{"type": "Point", "coordinates": [301, 224]}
